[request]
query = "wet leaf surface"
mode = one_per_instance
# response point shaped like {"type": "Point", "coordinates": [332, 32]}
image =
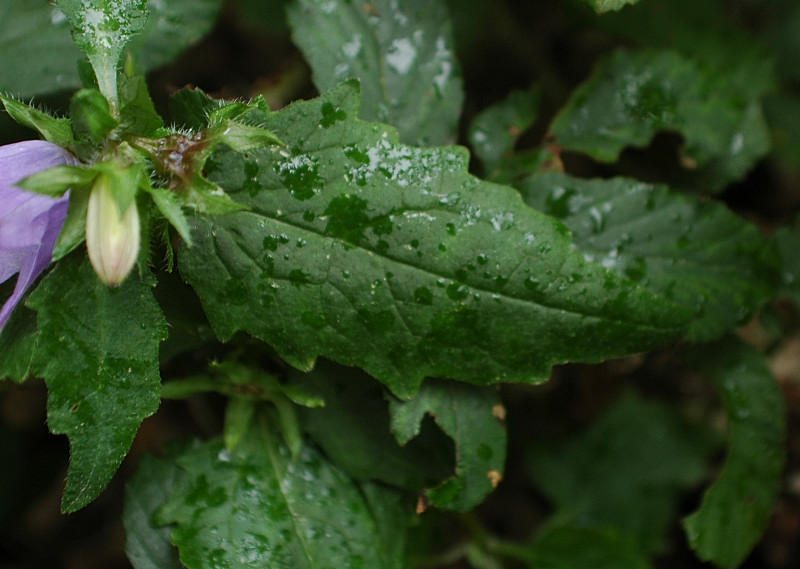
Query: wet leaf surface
{"type": "Point", "coordinates": [695, 252]}
{"type": "Point", "coordinates": [401, 52]}
{"type": "Point", "coordinates": [395, 259]}
{"type": "Point", "coordinates": [258, 507]}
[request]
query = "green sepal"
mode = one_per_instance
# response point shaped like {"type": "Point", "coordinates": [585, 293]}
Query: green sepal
{"type": "Point", "coordinates": [190, 108]}
{"type": "Point", "coordinates": [242, 137]}
{"type": "Point", "coordinates": [208, 198]}
{"type": "Point", "coordinates": [57, 180]}
{"type": "Point", "coordinates": [55, 130]}
{"type": "Point", "coordinates": [137, 113]}
{"type": "Point", "coordinates": [91, 116]}
{"type": "Point", "coordinates": [73, 232]}
{"type": "Point", "coordinates": [125, 174]}
{"type": "Point", "coordinates": [168, 205]}
{"type": "Point", "coordinates": [227, 111]}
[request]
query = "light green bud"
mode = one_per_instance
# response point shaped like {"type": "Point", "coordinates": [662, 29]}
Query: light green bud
{"type": "Point", "coordinates": [112, 237]}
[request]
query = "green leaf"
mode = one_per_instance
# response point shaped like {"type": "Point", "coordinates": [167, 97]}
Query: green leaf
{"type": "Point", "coordinates": [138, 114]}
{"type": "Point", "coordinates": [395, 259]}
{"type": "Point", "coordinates": [17, 344]}
{"type": "Point", "coordinates": [696, 253]}
{"type": "Point", "coordinates": [626, 471]}
{"type": "Point", "coordinates": [148, 546]}
{"type": "Point", "coordinates": [190, 108]}
{"type": "Point", "coordinates": [353, 429]}
{"type": "Point", "coordinates": [98, 352]}
{"type": "Point", "coordinates": [495, 131]}
{"type": "Point", "coordinates": [737, 507]}
{"type": "Point", "coordinates": [570, 547]}
{"type": "Point", "coordinates": [633, 95]}
{"type": "Point", "coordinates": [57, 131]}
{"type": "Point", "coordinates": [257, 507]}
{"type": "Point", "coordinates": [401, 51]}
{"type": "Point", "coordinates": [472, 416]}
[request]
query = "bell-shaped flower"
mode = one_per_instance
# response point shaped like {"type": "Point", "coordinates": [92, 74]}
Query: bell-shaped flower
{"type": "Point", "coordinates": [29, 223]}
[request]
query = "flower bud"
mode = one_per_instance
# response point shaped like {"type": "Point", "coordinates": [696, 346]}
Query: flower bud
{"type": "Point", "coordinates": [112, 238]}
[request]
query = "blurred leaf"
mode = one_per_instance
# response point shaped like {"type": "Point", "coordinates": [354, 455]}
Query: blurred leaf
{"type": "Point", "coordinates": [472, 416]}
{"type": "Point", "coordinates": [90, 115]}
{"type": "Point", "coordinates": [38, 56]}
{"type": "Point", "coordinates": [172, 27]}
{"type": "Point", "coordinates": [36, 50]}
{"type": "Point", "coordinates": [98, 352]}
{"type": "Point", "coordinates": [400, 50]}
{"type": "Point", "coordinates": [148, 546]}
{"type": "Point", "coordinates": [633, 95]}
{"type": "Point", "coordinates": [782, 34]}
{"type": "Point", "coordinates": [354, 431]}
{"type": "Point", "coordinates": [787, 241]}
{"type": "Point", "coordinates": [626, 471]}
{"type": "Point", "coordinates": [266, 15]}
{"type": "Point", "coordinates": [783, 114]}
{"type": "Point", "coordinates": [396, 260]}
{"type": "Point", "coordinates": [601, 6]}
{"type": "Point", "coordinates": [737, 507]}
{"type": "Point", "coordinates": [495, 131]}
{"type": "Point", "coordinates": [697, 253]}
{"type": "Point", "coordinates": [257, 507]}
{"type": "Point", "coordinates": [709, 32]}
{"type": "Point", "coordinates": [571, 547]}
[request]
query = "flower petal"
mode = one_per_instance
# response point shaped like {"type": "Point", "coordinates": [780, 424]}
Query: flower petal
{"type": "Point", "coordinates": [29, 223]}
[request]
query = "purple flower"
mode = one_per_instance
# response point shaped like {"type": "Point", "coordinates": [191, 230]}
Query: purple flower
{"type": "Point", "coordinates": [29, 223]}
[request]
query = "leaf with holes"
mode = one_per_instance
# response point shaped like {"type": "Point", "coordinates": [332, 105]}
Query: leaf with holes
{"type": "Point", "coordinates": [473, 417]}
{"type": "Point", "coordinates": [633, 95]}
{"type": "Point", "coordinates": [736, 509]}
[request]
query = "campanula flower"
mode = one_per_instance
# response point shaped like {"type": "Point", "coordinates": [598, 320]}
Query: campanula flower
{"type": "Point", "coordinates": [29, 223]}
